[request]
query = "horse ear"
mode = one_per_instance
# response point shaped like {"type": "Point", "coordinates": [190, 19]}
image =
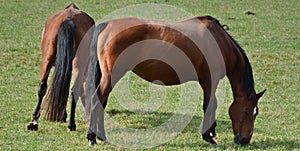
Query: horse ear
{"type": "Point", "coordinates": [72, 5]}
{"type": "Point", "coordinates": [259, 95]}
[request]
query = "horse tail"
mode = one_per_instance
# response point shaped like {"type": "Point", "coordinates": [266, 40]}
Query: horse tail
{"type": "Point", "coordinates": [57, 96]}
{"type": "Point", "coordinates": [94, 73]}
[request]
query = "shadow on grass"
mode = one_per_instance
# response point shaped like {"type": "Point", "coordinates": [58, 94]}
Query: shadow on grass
{"type": "Point", "coordinates": [223, 126]}
{"type": "Point", "coordinates": [154, 119]}
{"type": "Point", "coordinates": [157, 118]}
{"type": "Point", "coordinates": [262, 145]}
{"type": "Point", "coordinates": [275, 143]}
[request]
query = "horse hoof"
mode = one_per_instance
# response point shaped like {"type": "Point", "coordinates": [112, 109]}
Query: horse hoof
{"type": "Point", "coordinates": [72, 127]}
{"type": "Point", "coordinates": [33, 126]}
{"type": "Point", "coordinates": [209, 139]}
{"type": "Point", "coordinates": [92, 142]}
{"type": "Point", "coordinates": [102, 140]}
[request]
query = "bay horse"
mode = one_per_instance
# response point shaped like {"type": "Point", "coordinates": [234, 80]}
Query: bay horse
{"type": "Point", "coordinates": [63, 32]}
{"type": "Point", "coordinates": [212, 52]}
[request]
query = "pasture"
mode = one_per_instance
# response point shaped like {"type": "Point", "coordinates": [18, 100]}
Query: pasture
{"type": "Point", "coordinates": [271, 39]}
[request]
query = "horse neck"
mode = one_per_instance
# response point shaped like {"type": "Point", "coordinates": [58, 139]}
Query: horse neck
{"type": "Point", "coordinates": [240, 72]}
{"type": "Point", "coordinates": [237, 86]}
{"type": "Point", "coordinates": [241, 77]}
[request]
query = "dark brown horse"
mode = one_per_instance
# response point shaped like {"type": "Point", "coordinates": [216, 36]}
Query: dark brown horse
{"type": "Point", "coordinates": [63, 32]}
{"type": "Point", "coordinates": [147, 48]}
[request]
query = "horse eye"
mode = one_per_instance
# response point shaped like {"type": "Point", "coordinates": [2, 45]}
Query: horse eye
{"type": "Point", "coordinates": [246, 113]}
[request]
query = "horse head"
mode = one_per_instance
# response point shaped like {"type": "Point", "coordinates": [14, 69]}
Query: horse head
{"type": "Point", "coordinates": [243, 112]}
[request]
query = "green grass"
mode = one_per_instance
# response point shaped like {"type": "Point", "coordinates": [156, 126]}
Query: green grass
{"type": "Point", "coordinates": [270, 38]}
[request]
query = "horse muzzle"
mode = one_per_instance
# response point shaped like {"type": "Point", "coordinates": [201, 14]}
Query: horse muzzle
{"type": "Point", "coordinates": [241, 140]}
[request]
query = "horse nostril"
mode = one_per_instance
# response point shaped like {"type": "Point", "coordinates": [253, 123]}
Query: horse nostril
{"type": "Point", "coordinates": [236, 139]}
{"type": "Point", "coordinates": [244, 141]}
{"type": "Point", "coordinates": [241, 140]}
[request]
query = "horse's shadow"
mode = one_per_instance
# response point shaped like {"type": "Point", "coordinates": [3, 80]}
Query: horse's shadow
{"type": "Point", "coordinates": [276, 143]}
{"type": "Point", "coordinates": [157, 118]}
{"type": "Point", "coordinates": [224, 126]}
{"type": "Point", "coordinates": [270, 143]}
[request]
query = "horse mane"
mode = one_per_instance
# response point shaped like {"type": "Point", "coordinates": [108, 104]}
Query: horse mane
{"type": "Point", "coordinates": [248, 74]}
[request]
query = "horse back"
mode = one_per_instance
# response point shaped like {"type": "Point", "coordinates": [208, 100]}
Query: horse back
{"type": "Point", "coordinates": [162, 51]}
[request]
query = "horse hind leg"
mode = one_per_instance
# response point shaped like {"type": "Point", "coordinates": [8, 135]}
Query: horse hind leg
{"type": "Point", "coordinates": [103, 92]}
{"type": "Point", "coordinates": [42, 88]}
{"type": "Point", "coordinates": [105, 89]}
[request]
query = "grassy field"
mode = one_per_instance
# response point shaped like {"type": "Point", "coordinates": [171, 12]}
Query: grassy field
{"type": "Point", "coordinates": [271, 39]}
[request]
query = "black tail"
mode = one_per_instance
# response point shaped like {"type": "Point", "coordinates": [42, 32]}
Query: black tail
{"type": "Point", "coordinates": [94, 72]}
{"type": "Point", "coordinates": [57, 96]}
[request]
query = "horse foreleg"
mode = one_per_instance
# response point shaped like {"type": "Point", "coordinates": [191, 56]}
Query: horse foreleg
{"type": "Point", "coordinates": [209, 108]}
{"type": "Point", "coordinates": [78, 90]}
{"type": "Point", "coordinates": [209, 121]}
{"type": "Point", "coordinates": [74, 99]}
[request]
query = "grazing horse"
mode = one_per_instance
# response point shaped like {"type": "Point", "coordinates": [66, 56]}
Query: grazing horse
{"type": "Point", "coordinates": [212, 52]}
{"type": "Point", "coordinates": [62, 36]}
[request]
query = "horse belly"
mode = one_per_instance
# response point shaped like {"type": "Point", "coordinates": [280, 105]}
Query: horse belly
{"type": "Point", "coordinates": [160, 73]}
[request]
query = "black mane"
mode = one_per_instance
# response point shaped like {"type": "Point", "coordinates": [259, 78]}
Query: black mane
{"type": "Point", "coordinates": [248, 74]}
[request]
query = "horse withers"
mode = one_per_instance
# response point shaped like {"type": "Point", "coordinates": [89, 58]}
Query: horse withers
{"type": "Point", "coordinates": [65, 32]}
{"type": "Point", "coordinates": [212, 52]}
